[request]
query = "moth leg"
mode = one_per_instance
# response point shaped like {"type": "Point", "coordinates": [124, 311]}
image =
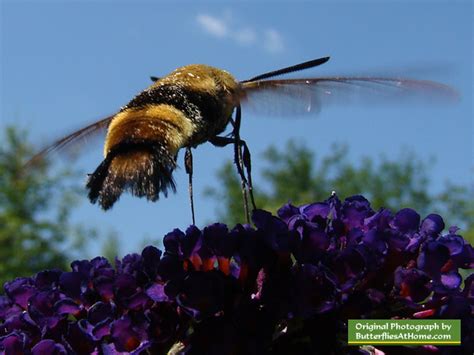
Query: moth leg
{"type": "Point", "coordinates": [247, 160]}
{"type": "Point", "coordinates": [242, 159]}
{"type": "Point", "coordinates": [188, 165]}
{"type": "Point", "coordinates": [221, 142]}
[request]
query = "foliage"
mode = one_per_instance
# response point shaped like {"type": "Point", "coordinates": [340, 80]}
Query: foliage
{"type": "Point", "coordinates": [295, 173]}
{"type": "Point", "coordinates": [35, 208]}
{"type": "Point", "coordinates": [111, 246]}
{"type": "Point", "coordinates": [287, 286]}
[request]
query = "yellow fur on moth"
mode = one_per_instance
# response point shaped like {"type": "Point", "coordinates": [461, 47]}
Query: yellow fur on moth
{"type": "Point", "coordinates": [202, 78]}
{"type": "Point", "coordinates": [164, 121]}
{"type": "Point", "coordinates": [153, 122]}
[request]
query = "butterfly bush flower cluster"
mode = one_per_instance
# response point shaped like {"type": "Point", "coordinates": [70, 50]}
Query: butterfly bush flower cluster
{"type": "Point", "coordinates": [286, 286]}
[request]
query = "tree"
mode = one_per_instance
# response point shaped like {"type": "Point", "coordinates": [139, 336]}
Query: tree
{"type": "Point", "coordinates": [295, 173]}
{"type": "Point", "coordinates": [35, 208]}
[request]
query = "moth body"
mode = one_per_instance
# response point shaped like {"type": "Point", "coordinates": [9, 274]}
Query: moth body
{"type": "Point", "coordinates": [183, 109]}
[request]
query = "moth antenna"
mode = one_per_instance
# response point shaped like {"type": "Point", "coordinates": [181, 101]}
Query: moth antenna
{"type": "Point", "coordinates": [291, 69]}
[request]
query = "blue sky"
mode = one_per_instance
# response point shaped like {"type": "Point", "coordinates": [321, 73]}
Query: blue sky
{"type": "Point", "coordinates": [65, 64]}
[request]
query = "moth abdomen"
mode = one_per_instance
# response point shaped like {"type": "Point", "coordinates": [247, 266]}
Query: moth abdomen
{"type": "Point", "coordinates": [142, 167]}
{"type": "Point", "coordinates": [140, 154]}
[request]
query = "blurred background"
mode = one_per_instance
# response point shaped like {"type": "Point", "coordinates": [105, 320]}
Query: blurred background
{"type": "Point", "coordinates": [65, 64]}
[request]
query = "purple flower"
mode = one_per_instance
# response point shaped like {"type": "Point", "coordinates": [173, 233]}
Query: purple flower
{"type": "Point", "coordinates": [13, 343]}
{"type": "Point", "coordinates": [406, 220]}
{"type": "Point", "coordinates": [355, 210]}
{"type": "Point", "coordinates": [20, 290]}
{"type": "Point", "coordinates": [48, 346]}
{"type": "Point", "coordinates": [287, 285]}
{"type": "Point", "coordinates": [315, 289]}
{"type": "Point", "coordinates": [412, 284]}
{"type": "Point", "coordinates": [432, 225]}
{"type": "Point", "coordinates": [125, 335]}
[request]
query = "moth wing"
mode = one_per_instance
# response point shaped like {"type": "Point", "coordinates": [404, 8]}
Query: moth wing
{"type": "Point", "coordinates": [283, 97]}
{"type": "Point", "coordinates": [73, 140]}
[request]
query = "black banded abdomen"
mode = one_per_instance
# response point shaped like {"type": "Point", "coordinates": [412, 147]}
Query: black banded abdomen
{"type": "Point", "coordinates": [207, 112]}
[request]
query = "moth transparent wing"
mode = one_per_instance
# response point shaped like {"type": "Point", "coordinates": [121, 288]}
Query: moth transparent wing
{"type": "Point", "coordinates": [302, 96]}
{"type": "Point", "coordinates": [72, 140]}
